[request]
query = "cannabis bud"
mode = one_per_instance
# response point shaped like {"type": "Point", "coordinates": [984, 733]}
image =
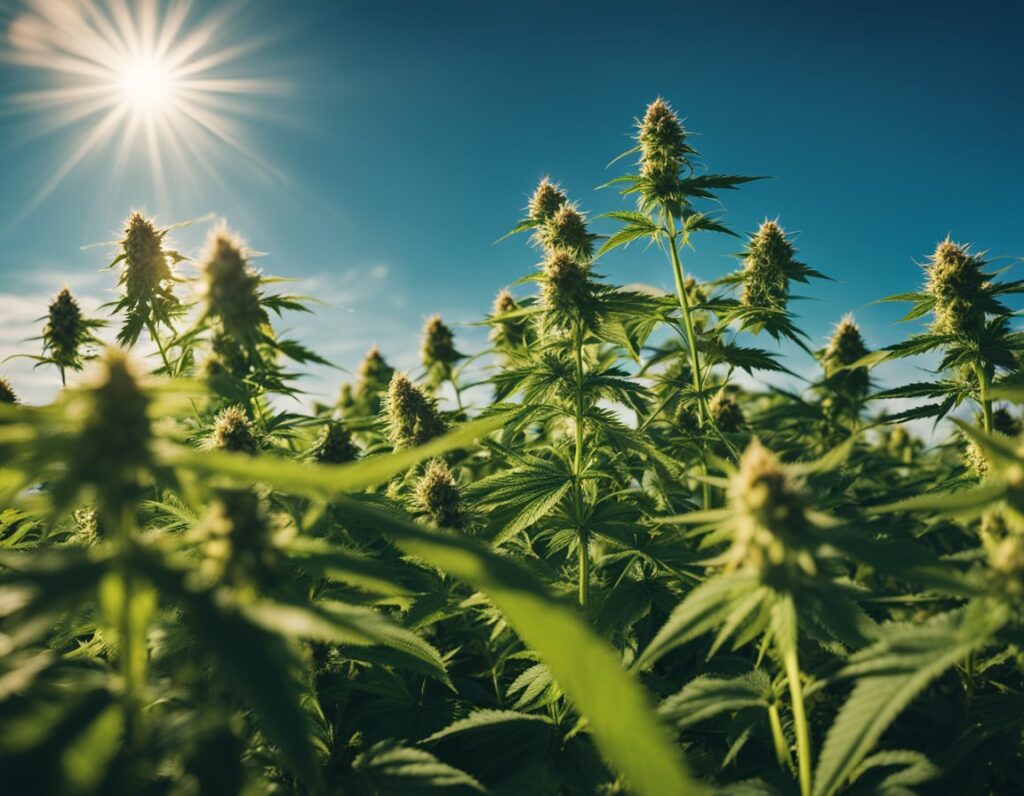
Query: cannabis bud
{"type": "Point", "coordinates": [686, 421]}
{"type": "Point", "coordinates": [845, 348]}
{"type": "Point", "coordinates": [1004, 424]}
{"type": "Point", "coordinates": [566, 231]}
{"type": "Point", "coordinates": [769, 514]}
{"type": "Point", "coordinates": [662, 139]}
{"type": "Point", "coordinates": [88, 525]}
{"type": "Point", "coordinates": [232, 290]}
{"type": "Point", "coordinates": [767, 258]}
{"type": "Point", "coordinates": [334, 445]}
{"type": "Point", "coordinates": [7, 394]}
{"type": "Point", "coordinates": [233, 432]}
{"type": "Point", "coordinates": [546, 200]}
{"type": "Point", "coordinates": [412, 417]}
{"type": "Point", "coordinates": [727, 414]}
{"type": "Point", "coordinates": [956, 283]}
{"type": "Point", "coordinates": [507, 332]}
{"type": "Point", "coordinates": [67, 333]}
{"type": "Point", "coordinates": [437, 495]}
{"type": "Point", "coordinates": [374, 375]}
{"type": "Point", "coordinates": [438, 349]}
{"type": "Point", "coordinates": [566, 288]}
{"type": "Point", "coordinates": [113, 445]}
{"type": "Point", "coordinates": [145, 262]}
{"type": "Point", "coordinates": [237, 538]}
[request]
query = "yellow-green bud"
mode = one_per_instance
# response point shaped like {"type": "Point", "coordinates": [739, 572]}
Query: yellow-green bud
{"type": "Point", "coordinates": [546, 200]}
{"type": "Point", "coordinates": [766, 258]}
{"type": "Point", "coordinates": [566, 231]}
{"type": "Point", "coordinates": [334, 445]}
{"type": "Point", "coordinates": [232, 290]}
{"type": "Point", "coordinates": [955, 282]}
{"type": "Point", "coordinates": [438, 496]}
{"type": "Point", "coordinates": [412, 417]}
{"type": "Point", "coordinates": [233, 432]}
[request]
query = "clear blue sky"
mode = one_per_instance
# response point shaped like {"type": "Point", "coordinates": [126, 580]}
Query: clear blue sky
{"type": "Point", "coordinates": [411, 134]}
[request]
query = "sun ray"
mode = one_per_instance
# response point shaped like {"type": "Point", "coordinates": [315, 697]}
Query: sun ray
{"type": "Point", "coordinates": [150, 77]}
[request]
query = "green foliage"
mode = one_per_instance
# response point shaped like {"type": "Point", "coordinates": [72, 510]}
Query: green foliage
{"type": "Point", "coordinates": [606, 566]}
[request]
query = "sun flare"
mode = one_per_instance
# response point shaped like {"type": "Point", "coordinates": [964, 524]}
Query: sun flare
{"type": "Point", "coordinates": [148, 77]}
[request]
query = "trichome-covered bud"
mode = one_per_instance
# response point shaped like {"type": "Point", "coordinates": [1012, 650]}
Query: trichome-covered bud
{"type": "Point", "coordinates": [412, 417]}
{"type": "Point", "coordinates": [767, 258]}
{"type": "Point", "coordinates": [438, 496]}
{"type": "Point", "coordinates": [727, 414]}
{"type": "Point", "coordinates": [770, 521]}
{"type": "Point", "coordinates": [88, 525]}
{"type": "Point", "coordinates": [233, 432]}
{"type": "Point", "coordinates": [113, 445]}
{"type": "Point", "coordinates": [546, 200]}
{"type": "Point", "coordinates": [66, 332]}
{"type": "Point", "coordinates": [662, 140]}
{"type": "Point", "coordinates": [438, 348]}
{"type": "Point", "coordinates": [146, 271]}
{"type": "Point", "coordinates": [232, 290]}
{"type": "Point", "coordinates": [566, 231]}
{"type": "Point", "coordinates": [846, 347]}
{"type": "Point", "coordinates": [507, 332]}
{"type": "Point", "coordinates": [7, 394]}
{"type": "Point", "coordinates": [334, 445]}
{"type": "Point", "coordinates": [566, 289]}
{"type": "Point", "coordinates": [955, 282]}
{"type": "Point", "coordinates": [1004, 424]}
{"type": "Point", "coordinates": [237, 538]}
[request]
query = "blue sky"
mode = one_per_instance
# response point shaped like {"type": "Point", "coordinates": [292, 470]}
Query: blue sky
{"type": "Point", "coordinates": [408, 136]}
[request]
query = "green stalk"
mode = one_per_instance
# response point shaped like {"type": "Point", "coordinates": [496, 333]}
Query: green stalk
{"type": "Point", "coordinates": [779, 738]}
{"type": "Point", "coordinates": [160, 346]}
{"type": "Point", "coordinates": [986, 403]}
{"type": "Point", "coordinates": [582, 550]}
{"type": "Point", "coordinates": [803, 737]}
{"type": "Point", "coordinates": [691, 336]}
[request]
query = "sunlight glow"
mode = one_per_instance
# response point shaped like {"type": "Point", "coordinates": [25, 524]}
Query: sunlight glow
{"type": "Point", "coordinates": [137, 77]}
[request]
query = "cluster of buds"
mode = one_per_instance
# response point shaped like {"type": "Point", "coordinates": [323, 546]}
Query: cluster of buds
{"type": "Point", "coordinates": [237, 537]}
{"type": "Point", "coordinates": [146, 275]}
{"type": "Point", "coordinates": [726, 413]}
{"type": "Point", "coordinates": [438, 496]}
{"type": "Point", "coordinates": [1004, 424]}
{"type": "Point", "coordinates": [956, 284]}
{"type": "Point", "coordinates": [547, 200]}
{"type": "Point", "coordinates": [7, 394]}
{"type": "Point", "coordinates": [844, 349]}
{"type": "Point", "coordinates": [438, 350]}
{"type": "Point", "coordinates": [232, 432]}
{"type": "Point", "coordinates": [374, 376]}
{"type": "Point", "coordinates": [67, 332]}
{"type": "Point", "coordinates": [412, 418]}
{"type": "Point", "coordinates": [88, 525]}
{"type": "Point", "coordinates": [566, 231]}
{"type": "Point", "coordinates": [566, 289]}
{"type": "Point", "coordinates": [766, 261]}
{"type": "Point", "coordinates": [507, 333]}
{"type": "Point", "coordinates": [232, 291]}
{"type": "Point", "coordinates": [770, 526]}
{"type": "Point", "coordinates": [113, 444]}
{"type": "Point", "coordinates": [334, 445]}
{"type": "Point", "coordinates": [661, 139]}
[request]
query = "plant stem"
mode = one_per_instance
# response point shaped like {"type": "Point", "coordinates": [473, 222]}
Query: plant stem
{"type": "Point", "coordinates": [160, 346]}
{"type": "Point", "coordinates": [583, 551]}
{"type": "Point", "coordinates": [986, 404]}
{"type": "Point", "coordinates": [803, 738]}
{"type": "Point", "coordinates": [704, 412]}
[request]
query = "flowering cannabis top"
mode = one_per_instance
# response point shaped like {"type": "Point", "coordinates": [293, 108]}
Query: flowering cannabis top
{"type": "Point", "coordinates": [334, 445]}
{"type": "Point", "coordinates": [412, 417]}
{"type": "Point", "coordinates": [547, 199]}
{"type": "Point", "coordinates": [955, 282]}
{"type": "Point", "coordinates": [232, 432]}
{"type": "Point", "coordinates": [437, 495]}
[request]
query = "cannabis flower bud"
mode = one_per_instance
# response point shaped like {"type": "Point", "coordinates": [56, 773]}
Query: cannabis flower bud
{"type": "Point", "coordinates": [67, 332]}
{"type": "Point", "coordinates": [438, 349]}
{"type": "Point", "coordinates": [334, 445]}
{"type": "Point", "coordinates": [844, 348]}
{"type": "Point", "coordinates": [232, 290]}
{"type": "Point", "coordinates": [437, 495]}
{"type": "Point", "coordinates": [566, 231]}
{"type": "Point", "coordinates": [727, 414]}
{"type": "Point", "coordinates": [233, 432]}
{"type": "Point", "coordinates": [566, 289]}
{"type": "Point", "coordinates": [145, 269]}
{"type": "Point", "coordinates": [237, 537]}
{"type": "Point", "coordinates": [767, 258]}
{"type": "Point", "coordinates": [770, 522]}
{"type": "Point", "coordinates": [546, 200]}
{"type": "Point", "coordinates": [507, 332]}
{"type": "Point", "coordinates": [7, 394]}
{"type": "Point", "coordinates": [1004, 424]}
{"type": "Point", "coordinates": [686, 421]}
{"type": "Point", "coordinates": [412, 417]}
{"type": "Point", "coordinates": [956, 283]}
{"type": "Point", "coordinates": [662, 140]}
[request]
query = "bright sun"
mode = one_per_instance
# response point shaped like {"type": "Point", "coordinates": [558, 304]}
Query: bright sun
{"type": "Point", "coordinates": [147, 86]}
{"type": "Point", "coordinates": [145, 76]}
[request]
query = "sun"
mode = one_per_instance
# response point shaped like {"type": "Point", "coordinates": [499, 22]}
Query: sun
{"type": "Point", "coordinates": [149, 77]}
{"type": "Point", "coordinates": [146, 85]}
